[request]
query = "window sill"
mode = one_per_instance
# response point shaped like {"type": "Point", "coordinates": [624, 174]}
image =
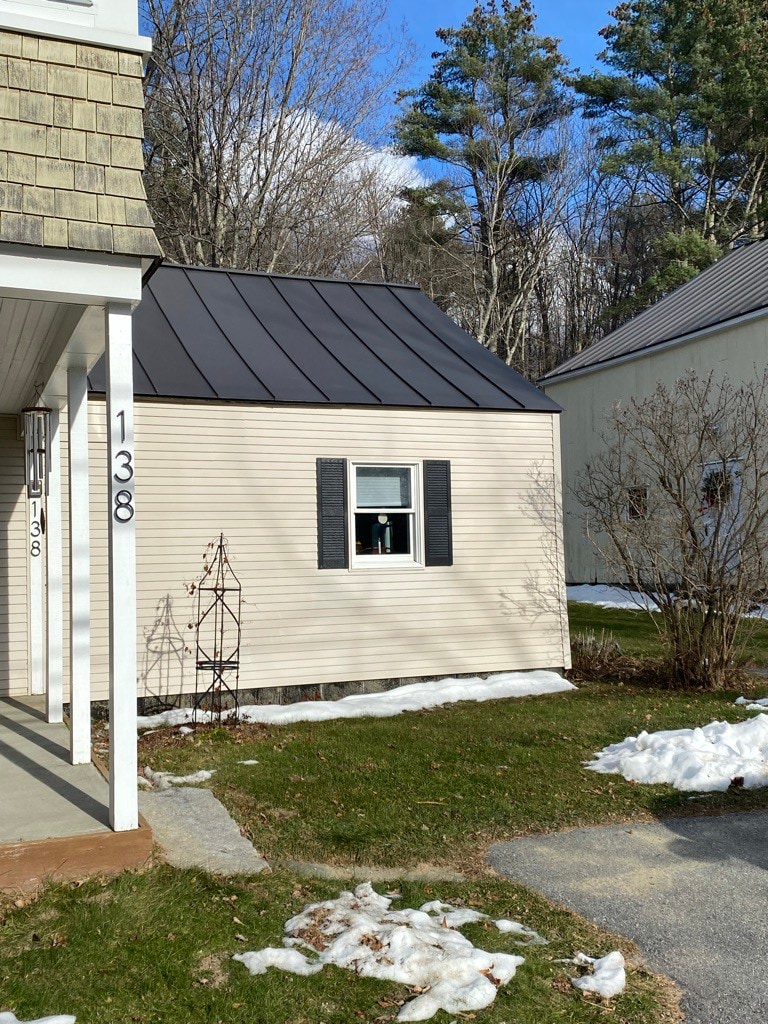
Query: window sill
{"type": "Point", "coordinates": [382, 563]}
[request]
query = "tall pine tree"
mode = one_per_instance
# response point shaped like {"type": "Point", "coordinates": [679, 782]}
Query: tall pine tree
{"type": "Point", "coordinates": [684, 114]}
{"type": "Point", "coordinates": [488, 115]}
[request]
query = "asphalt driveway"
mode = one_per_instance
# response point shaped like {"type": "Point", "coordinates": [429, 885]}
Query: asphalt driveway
{"type": "Point", "coordinates": [691, 892]}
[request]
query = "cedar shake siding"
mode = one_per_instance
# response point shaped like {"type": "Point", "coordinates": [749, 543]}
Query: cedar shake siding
{"type": "Point", "coordinates": [71, 130]}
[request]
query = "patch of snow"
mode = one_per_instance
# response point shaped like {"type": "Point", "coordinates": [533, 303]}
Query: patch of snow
{"type": "Point", "coordinates": [608, 978]}
{"type": "Point", "coordinates": [610, 597]}
{"type": "Point", "coordinates": [632, 600]}
{"type": "Point", "coordinates": [291, 960]}
{"type": "Point", "coordinates": [247, 762]}
{"type": "Point", "coordinates": [162, 780]}
{"type": "Point", "coordinates": [175, 716]}
{"type": "Point", "coordinates": [420, 948]}
{"type": "Point", "coordinates": [758, 704]}
{"type": "Point", "coordinates": [514, 927]}
{"type": "Point", "coordinates": [6, 1017]}
{"type": "Point", "coordinates": [186, 730]}
{"type": "Point", "coordinates": [693, 760]}
{"type": "Point", "coordinates": [413, 697]}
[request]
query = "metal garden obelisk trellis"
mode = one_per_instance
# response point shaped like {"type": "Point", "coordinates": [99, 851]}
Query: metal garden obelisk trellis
{"type": "Point", "coordinates": [217, 635]}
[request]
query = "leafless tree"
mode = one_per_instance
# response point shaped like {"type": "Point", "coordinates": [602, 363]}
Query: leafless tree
{"type": "Point", "coordinates": [677, 503]}
{"type": "Point", "coordinates": [260, 114]}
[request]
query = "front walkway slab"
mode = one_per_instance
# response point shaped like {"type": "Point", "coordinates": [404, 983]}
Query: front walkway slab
{"type": "Point", "coordinates": [691, 892]}
{"type": "Point", "coordinates": [195, 830]}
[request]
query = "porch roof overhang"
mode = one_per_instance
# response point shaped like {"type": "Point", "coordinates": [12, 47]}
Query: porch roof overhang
{"type": "Point", "coordinates": [51, 316]}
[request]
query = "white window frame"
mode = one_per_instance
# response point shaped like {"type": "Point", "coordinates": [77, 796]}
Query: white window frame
{"type": "Point", "coordinates": [415, 560]}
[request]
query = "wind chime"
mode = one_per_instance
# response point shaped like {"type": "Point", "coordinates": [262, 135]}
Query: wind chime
{"type": "Point", "coordinates": [217, 636]}
{"type": "Point", "coordinates": [37, 437]}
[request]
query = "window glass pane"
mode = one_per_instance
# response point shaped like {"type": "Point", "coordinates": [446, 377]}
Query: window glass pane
{"type": "Point", "coordinates": [383, 534]}
{"type": "Point", "coordinates": [383, 487]}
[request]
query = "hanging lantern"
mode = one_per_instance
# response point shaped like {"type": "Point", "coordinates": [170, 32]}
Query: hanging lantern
{"type": "Point", "coordinates": [37, 433]}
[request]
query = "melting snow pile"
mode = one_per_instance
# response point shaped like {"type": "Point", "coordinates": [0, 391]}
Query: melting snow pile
{"type": "Point", "coordinates": [163, 780]}
{"type": "Point", "coordinates": [421, 948]}
{"type": "Point", "coordinates": [608, 977]}
{"type": "Point", "coordinates": [619, 597]}
{"type": "Point", "coordinates": [610, 597]}
{"type": "Point", "coordinates": [62, 1018]}
{"type": "Point", "coordinates": [759, 704]}
{"type": "Point", "coordinates": [414, 697]}
{"type": "Point", "coordinates": [694, 760]}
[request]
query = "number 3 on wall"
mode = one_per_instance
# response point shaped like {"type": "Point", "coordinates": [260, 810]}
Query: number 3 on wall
{"type": "Point", "coordinates": [123, 499]}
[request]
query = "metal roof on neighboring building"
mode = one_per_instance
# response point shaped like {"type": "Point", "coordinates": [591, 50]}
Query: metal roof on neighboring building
{"type": "Point", "coordinates": [253, 337]}
{"type": "Point", "coordinates": [736, 285]}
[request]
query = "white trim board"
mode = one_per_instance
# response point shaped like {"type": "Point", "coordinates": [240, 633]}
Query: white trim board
{"type": "Point", "coordinates": [29, 25]}
{"type": "Point", "coordinates": [58, 275]}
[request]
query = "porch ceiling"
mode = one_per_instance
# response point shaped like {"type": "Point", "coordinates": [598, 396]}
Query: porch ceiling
{"type": "Point", "coordinates": [32, 332]}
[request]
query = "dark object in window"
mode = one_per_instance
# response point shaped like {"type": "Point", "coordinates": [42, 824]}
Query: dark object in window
{"type": "Point", "coordinates": [637, 503]}
{"type": "Point", "coordinates": [390, 537]}
{"type": "Point", "coordinates": [716, 488]}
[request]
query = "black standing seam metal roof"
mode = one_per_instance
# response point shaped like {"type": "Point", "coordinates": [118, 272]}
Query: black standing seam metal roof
{"type": "Point", "coordinates": [737, 284]}
{"type": "Point", "coordinates": [203, 334]}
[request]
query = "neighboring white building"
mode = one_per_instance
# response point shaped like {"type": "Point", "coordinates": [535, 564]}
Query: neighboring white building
{"type": "Point", "coordinates": [715, 323]}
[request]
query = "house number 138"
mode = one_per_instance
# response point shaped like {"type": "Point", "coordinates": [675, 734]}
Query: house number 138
{"type": "Point", "coordinates": [123, 473]}
{"type": "Point", "coordinates": [35, 531]}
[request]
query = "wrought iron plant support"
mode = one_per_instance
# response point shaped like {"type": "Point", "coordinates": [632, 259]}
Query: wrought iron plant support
{"type": "Point", "coordinates": [217, 637]}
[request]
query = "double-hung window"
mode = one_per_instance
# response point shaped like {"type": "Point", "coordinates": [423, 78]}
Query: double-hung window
{"type": "Point", "coordinates": [386, 514]}
{"type": "Point", "coordinates": [373, 513]}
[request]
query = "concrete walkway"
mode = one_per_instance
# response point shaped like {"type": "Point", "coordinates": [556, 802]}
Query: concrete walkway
{"type": "Point", "coordinates": [195, 831]}
{"type": "Point", "coordinates": [43, 795]}
{"type": "Point", "coordinates": [691, 892]}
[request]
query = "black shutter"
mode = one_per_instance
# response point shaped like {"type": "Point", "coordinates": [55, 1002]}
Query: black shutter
{"type": "Point", "coordinates": [437, 513]}
{"type": "Point", "coordinates": [332, 548]}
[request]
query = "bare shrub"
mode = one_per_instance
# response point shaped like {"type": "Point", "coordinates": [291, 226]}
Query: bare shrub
{"type": "Point", "coordinates": [595, 655]}
{"type": "Point", "coordinates": [677, 505]}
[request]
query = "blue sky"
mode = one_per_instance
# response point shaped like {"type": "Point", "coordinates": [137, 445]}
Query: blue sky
{"type": "Point", "coordinates": [575, 22]}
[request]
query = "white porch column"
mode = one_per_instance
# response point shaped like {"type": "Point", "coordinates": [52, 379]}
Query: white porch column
{"type": "Point", "coordinates": [35, 548]}
{"type": "Point", "coordinates": [123, 791]}
{"type": "Point", "coordinates": [79, 569]}
{"type": "Point", "coordinates": [53, 562]}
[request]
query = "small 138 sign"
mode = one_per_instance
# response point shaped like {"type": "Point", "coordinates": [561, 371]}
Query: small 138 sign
{"type": "Point", "coordinates": [35, 531]}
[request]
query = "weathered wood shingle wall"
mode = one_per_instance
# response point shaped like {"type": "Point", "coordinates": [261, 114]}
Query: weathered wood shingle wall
{"type": "Point", "coordinates": [71, 130]}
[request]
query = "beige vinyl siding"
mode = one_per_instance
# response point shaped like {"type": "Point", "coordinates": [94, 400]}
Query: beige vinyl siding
{"type": "Point", "coordinates": [14, 641]}
{"type": "Point", "coordinates": [250, 471]}
{"type": "Point", "coordinates": [738, 352]}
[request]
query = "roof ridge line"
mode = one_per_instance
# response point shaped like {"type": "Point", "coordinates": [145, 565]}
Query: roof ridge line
{"type": "Point", "coordinates": [169, 265]}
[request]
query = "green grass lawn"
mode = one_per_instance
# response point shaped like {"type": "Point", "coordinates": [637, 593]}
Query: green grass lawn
{"type": "Point", "coordinates": [638, 637]}
{"type": "Point", "coordinates": [156, 948]}
{"type": "Point", "coordinates": [441, 785]}
{"type": "Point", "coordinates": [436, 786]}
